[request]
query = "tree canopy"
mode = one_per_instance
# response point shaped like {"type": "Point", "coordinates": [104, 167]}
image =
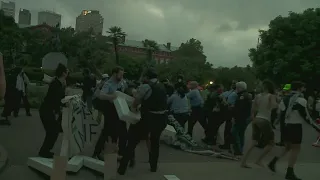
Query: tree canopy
{"type": "Point", "coordinates": [27, 46]}
{"type": "Point", "coordinates": [289, 49]}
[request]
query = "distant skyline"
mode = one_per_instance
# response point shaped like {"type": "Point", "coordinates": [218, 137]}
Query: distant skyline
{"type": "Point", "coordinates": [226, 28]}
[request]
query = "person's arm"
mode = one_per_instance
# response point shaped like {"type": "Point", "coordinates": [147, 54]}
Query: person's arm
{"type": "Point", "coordinates": [169, 100]}
{"type": "Point", "coordinates": [141, 93]}
{"type": "Point", "coordinates": [2, 78]}
{"type": "Point", "coordinates": [301, 107]}
{"type": "Point", "coordinates": [254, 108]}
{"type": "Point", "coordinates": [104, 93]}
{"type": "Point", "coordinates": [26, 79]}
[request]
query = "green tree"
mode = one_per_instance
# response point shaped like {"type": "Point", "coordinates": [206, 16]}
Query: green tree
{"type": "Point", "coordinates": [117, 35]}
{"type": "Point", "coordinates": [151, 46]}
{"type": "Point", "coordinates": [289, 49]}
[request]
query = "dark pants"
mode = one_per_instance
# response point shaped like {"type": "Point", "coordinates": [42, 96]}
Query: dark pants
{"type": "Point", "coordinates": [182, 118]}
{"type": "Point", "coordinates": [214, 122]}
{"type": "Point", "coordinates": [197, 114]}
{"type": "Point", "coordinates": [238, 134]}
{"type": "Point", "coordinates": [10, 102]}
{"type": "Point", "coordinates": [227, 129]}
{"type": "Point", "coordinates": [282, 129]}
{"type": "Point", "coordinates": [114, 128]}
{"type": "Point", "coordinates": [150, 124]}
{"type": "Point", "coordinates": [273, 116]}
{"type": "Point", "coordinates": [26, 103]}
{"type": "Point", "coordinates": [51, 127]}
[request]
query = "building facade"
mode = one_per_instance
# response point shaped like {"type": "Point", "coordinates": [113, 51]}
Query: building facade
{"type": "Point", "coordinates": [50, 18]}
{"type": "Point", "coordinates": [9, 8]}
{"type": "Point", "coordinates": [163, 55]}
{"type": "Point", "coordinates": [89, 19]}
{"type": "Point", "coordinates": [24, 17]}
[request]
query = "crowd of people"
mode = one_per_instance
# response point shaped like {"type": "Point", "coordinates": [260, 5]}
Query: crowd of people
{"type": "Point", "coordinates": [236, 107]}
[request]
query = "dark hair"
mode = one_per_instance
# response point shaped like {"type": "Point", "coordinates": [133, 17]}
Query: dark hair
{"type": "Point", "coordinates": [116, 70]}
{"type": "Point", "coordinates": [180, 87]}
{"type": "Point", "coordinates": [296, 85]}
{"type": "Point", "coordinates": [214, 87]}
{"type": "Point", "coordinates": [60, 70]}
{"type": "Point", "coordinates": [269, 86]}
{"type": "Point", "coordinates": [151, 73]}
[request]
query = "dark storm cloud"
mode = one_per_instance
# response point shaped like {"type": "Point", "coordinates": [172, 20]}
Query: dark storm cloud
{"type": "Point", "coordinates": [227, 28]}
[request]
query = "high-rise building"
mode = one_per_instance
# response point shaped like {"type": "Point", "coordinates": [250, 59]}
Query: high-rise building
{"type": "Point", "coordinates": [8, 8]}
{"type": "Point", "coordinates": [89, 19]}
{"type": "Point", "coordinates": [24, 17]}
{"type": "Point", "coordinates": [50, 18]}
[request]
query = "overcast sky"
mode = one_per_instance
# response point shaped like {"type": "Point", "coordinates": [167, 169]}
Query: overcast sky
{"type": "Point", "coordinates": [226, 28]}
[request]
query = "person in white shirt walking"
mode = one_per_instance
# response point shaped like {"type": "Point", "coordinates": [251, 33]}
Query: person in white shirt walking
{"type": "Point", "coordinates": [296, 113]}
{"type": "Point", "coordinates": [22, 88]}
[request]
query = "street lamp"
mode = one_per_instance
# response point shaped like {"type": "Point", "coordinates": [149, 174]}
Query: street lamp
{"type": "Point", "coordinates": [211, 82]}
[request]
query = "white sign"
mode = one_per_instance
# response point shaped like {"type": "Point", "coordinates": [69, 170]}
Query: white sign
{"type": "Point", "coordinates": [83, 127]}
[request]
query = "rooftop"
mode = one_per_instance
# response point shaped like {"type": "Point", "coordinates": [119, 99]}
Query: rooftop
{"type": "Point", "coordinates": [139, 44]}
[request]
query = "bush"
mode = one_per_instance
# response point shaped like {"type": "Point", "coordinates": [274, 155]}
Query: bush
{"type": "Point", "coordinates": [36, 75]}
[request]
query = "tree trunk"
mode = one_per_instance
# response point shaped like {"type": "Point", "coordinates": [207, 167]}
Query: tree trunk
{"type": "Point", "coordinates": [115, 44]}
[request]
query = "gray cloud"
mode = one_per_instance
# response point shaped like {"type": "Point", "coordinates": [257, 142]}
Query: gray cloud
{"type": "Point", "coordinates": [227, 28]}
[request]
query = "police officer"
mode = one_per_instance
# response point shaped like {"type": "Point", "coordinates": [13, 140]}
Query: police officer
{"type": "Point", "coordinates": [113, 127]}
{"type": "Point", "coordinates": [153, 99]}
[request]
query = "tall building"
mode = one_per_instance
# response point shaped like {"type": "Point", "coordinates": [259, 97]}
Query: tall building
{"type": "Point", "coordinates": [24, 17]}
{"type": "Point", "coordinates": [50, 18]}
{"type": "Point", "coordinates": [8, 8]}
{"type": "Point", "coordinates": [89, 19]}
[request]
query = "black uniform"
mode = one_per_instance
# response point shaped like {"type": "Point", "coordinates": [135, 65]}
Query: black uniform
{"type": "Point", "coordinates": [153, 122]}
{"type": "Point", "coordinates": [49, 109]}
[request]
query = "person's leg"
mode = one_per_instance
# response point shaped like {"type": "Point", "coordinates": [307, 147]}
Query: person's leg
{"type": "Point", "coordinates": [103, 137]}
{"type": "Point", "coordinates": [296, 135]}
{"type": "Point", "coordinates": [255, 137]}
{"type": "Point", "coordinates": [227, 132]}
{"type": "Point", "coordinates": [26, 104]}
{"type": "Point", "coordinates": [282, 127]}
{"type": "Point", "coordinates": [123, 137]}
{"type": "Point", "coordinates": [155, 133]}
{"type": "Point", "coordinates": [268, 135]}
{"type": "Point", "coordinates": [273, 162]}
{"type": "Point", "coordinates": [236, 139]}
{"type": "Point", "coordinates": [134, 135]}
{"type": "Point", "coordinates": [192, 121]}
{"type": "Point", "coordinates": [210, 139]}
{"type": "Point", "coordinates": [17, 103]}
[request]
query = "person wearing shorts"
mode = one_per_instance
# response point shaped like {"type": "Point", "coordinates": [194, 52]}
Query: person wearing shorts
{"type": "Point", "coordinates": [295, 107]}
{"type": "Point", "coordinates": [261, 122]}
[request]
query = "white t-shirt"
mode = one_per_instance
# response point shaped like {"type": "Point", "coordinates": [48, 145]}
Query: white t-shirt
{"type": "Point", "coordinates": [294, 116]}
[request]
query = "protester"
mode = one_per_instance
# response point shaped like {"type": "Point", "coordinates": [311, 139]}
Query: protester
{"type": "Point", "coordinates": [50, 111]}
{"type": "Point", "coordinates": [229, 99]}
{"type": "Point", "coordinates": [153, 122]}
{"type": "Point", "coordinates": [241, 115]}
{"type": "Point", "coordinates": [286, 91]}
{"type": "Point", "coordinates": [212, 108]}
{"type": "Point", "coordinates": [89, 84]}
{"type": "Point", "coordinates": [11, 94]}
{"type": "Point", "coordinates": [96, 102]}
{"type": "Point", "coordinates": [22, 84]}
{"type": "Point", "coordinates": [295, 108]}
{"type": "Point", "coordinates": [312, 101]}
{"type": "Point", "coordinates": [261, 114]}
{"type": "Point", "coordinates": [197, 112]}
{"type": "Point", "coordinates": [179, 104]}
{"type": "Point", "coordinates": [113, 126]}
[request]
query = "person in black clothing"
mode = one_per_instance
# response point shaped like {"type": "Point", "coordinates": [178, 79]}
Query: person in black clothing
{"type": "Point", "coordinates": [10, 95]}
{"type": "Point", "coordinates": [89, 84]}
{"type": "Point", "coordinates": [240, 116]}
{"type": "Point", "coordinates": [213, 113]}
{"type": "Point", "coordinates": [22, 84]}
{"type": "Point", "coordinates": [50, 110]}
{"type": "Point", "coordinates": [153, 121]}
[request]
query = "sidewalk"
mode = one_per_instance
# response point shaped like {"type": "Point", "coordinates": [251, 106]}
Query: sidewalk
{"type": "Point", "coordinates": [3, 158]}
{"type": "Point", "coordinates": [184, 171]}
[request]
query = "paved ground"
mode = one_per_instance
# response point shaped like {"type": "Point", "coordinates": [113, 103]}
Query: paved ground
{"type": "Point", "coordinates": [25, 136]}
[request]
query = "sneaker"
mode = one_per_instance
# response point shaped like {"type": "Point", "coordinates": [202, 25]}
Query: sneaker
{"type": "Point", "coordinates": [290, 175]}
